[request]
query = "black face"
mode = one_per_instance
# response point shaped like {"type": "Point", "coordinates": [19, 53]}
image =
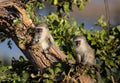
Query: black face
{"type": "Point", "coordinates": [36, 38]}
{"type": "Point", "coordinates": [77, 43]}
{"type": "Point", "coordinates": [38, 30]}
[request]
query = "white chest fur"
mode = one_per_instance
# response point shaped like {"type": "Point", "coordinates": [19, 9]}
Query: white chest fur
{"type": "Point", "coordinates": [45, 45]}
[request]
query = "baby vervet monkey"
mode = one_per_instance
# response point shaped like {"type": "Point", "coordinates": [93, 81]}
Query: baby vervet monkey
{"type": "Point", "coordinates": [84, 53]}
{"type": "Point", "coordinates": [43, 37]}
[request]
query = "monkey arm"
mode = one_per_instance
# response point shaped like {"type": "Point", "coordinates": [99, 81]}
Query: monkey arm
{"type": "Point", "coordinates": [78, 58]}
{"type": "Point", "coordinates": [84, 59]}
{"type": "Point", "coordinates": [89, 59]}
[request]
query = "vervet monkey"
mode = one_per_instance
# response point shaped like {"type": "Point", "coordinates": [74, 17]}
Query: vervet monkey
{"type": "Point", "coordinates": [43, 37]}
{"type": "Point", "coordinates": [84, 53]}
{"type": "Point", "coordinates": [45, 40]}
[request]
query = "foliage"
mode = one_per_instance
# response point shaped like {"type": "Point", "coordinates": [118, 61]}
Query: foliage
{"type": "Point", "coordinates": [63, 28]}
{"type": "Point", "coordinates": [13, 74]}
{"type": "Point", "coordinates": [106, 48]}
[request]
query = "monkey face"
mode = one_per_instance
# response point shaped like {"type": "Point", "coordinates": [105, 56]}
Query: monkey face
{"type": "Point", "coordinates": [36, 38]}
{"type": "Point", "coordinates": [37, 35]}
{"type": "Point", "coordinates": [38, 30]}
{"type": "Point", "coordinates": [79, 40]}
{"type": "Point", "coordinates": [78, 43]}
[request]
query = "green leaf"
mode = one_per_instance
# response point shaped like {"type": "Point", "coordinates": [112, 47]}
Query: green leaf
{"type": "Point", "coordinates": [93, 42]}
{"type": "Point", "coordinates": [66, 6]}
{"type": "Point", "coordinates": [17, 21]}
{"type": "Point", "coordinates": [74, 1]}
{"type": "Point", "coordinates": [111, 63]}
{"type": "Point", "coordinates": [89, 36]}
{"type": "Point", "coordinates": [118, 28]}
{"type": "Point", "coordinates": [50, 70]}
{"type": "Point", "coordinates": [102, 58]}
{"type": "Point", "coordinates": [111, 37]}
{"type": "Point", "coordinates": [45, 75]}
{"type": "Point", "coordinates": [81, 6]}
{"type": "Point", "coordinates": [113, 54]}
{"type": "Point", "coordinates": [57, 70]}
{"type": "Point", "coordinates": [100, 22]}
{"type": "Point", "coordinates": [21, 59]}
{"type": "Point", "coordinates": [9, 67]}
{"type": "Point", "coordinates": [98, 51]}
{"type": "Point", "coordinates": [58, 65]}
{"type": "Point", "coordinates": [49, 81]}
{"type": "Point", "coordinates": [71, 70]}
{"type": "Point", "coordinates": [103, 35]}
{"type": "Point", "coordinates": [55, 2]}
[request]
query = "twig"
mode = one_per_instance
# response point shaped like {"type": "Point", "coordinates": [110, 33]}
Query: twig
{"type": "Point", "coordinates": [113, 81]}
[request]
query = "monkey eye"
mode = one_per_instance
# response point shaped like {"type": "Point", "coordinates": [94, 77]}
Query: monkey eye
{"type": "Point", "coordinates": [38, 30]}
{"type": "Point", "coordinates": [78, 43]}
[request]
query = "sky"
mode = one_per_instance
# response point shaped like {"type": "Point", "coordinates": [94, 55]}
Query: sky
{"type": "Point", "coordinates": [6, 53]}
{"type": "Point", "coordinates": [93, 10]}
